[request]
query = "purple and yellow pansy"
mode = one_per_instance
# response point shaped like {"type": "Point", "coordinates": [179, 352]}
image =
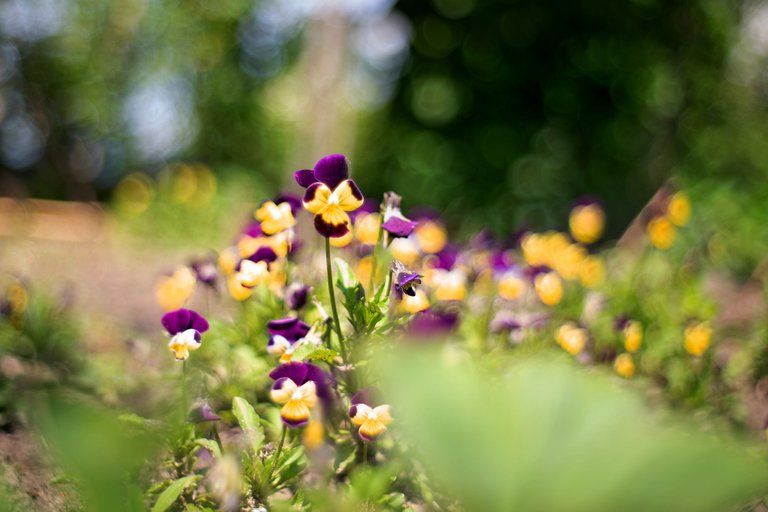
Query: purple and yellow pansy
{"type": "Point", "coordinates": [330, 195]}
{"type": "Point", "coordinates": [185, 327]}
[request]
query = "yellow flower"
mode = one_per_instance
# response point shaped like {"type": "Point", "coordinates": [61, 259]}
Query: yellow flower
{"type": "Point", "coordinates": [228, 260]}
{"type": "Point", "coordinates": [549, 288]}
{"type": "Point", "coordinates": [449, 285]}
{"type": "Point", "coordinates": [512, 285]}
{"type": "Point", "coordinates": [661, 233]}
{"type": "Point", "coordinates": [624, 366]}
{"type": "Point", "coordinates": [567, 260]}
{"type": "Point", "coordinates": [184, 342]}
{"type": "Point", "coordinates": [16, 295]}
{"type": "Point", "coordinates": [330, 207]}
{"type": "Point", "coordinates": [633, 336]}
{"type": "Point", "coordinates": [534, 249]}
{"type": "Point", "coordinates": [431, 236]}
{"type": "Point", "coordinates": [698, 338]}
{"type": "Point", "coordinates": [279, 243]}
{"type": "Point", "coordinates": [679, 209]}
{"type": "Point", "coordinates": [275, 218]}
{"type": "Point", "coordinates": [236, 288]}
{"type": "Point", "coordinates": [372, 422]}
{"type": "Point", "coordinates": [314, 435]}
{"type": "Point", "coordinates": [341, 241]}
{"type": "Point", "coordinates": [587, 223]}
{"type": "Point", "coordinates": [591, 272]}
{"type": "Point", "coordinates": [405, 250]}
{"type": "Point", "coordinates": [367, 228]}
{"type": "Point", "coordinates": [571, 338]}
{"type": "Point", "coordinates": [416, 303]}
{"type": "Point", "coordinates": [297, 401]}
{"type": "Point", "coordinates": [173, 291]}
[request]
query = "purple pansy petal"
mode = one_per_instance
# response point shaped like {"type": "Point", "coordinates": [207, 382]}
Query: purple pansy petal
{"type": "Point", "coordinates": [304, 177]}
{"type": "Point", "coordinates": [329, 230]}
{"type": "Point", "coordinates": [263, 254]}
{"type": "Point", "coordinates": [296, 296]}
{"type": "Point", "coordinates": [406, 281]}
{"type": "Point", "coordinates": [176, 321]}
{"type": "Point", "coordinates": [294, 423]}
{"type": "Point", "coordinates": [253, 229]}
{"type": "Point", "coordinates": [446, 258]}
{"type": "Point", "coordinates": [587, 200]}
{"type": "Point", "coordinates": [182, 319]}
{"type": "Point", "coordinates": [290, 328]}
{"type": "Point", "coordinates": [295, 371]}
{"type": "Point", "coordinates": [432, 322]}
{"type": "Point", "coordinates": [352, 411]}
{"type": "Point", "coordinates": [332, 170]}
{"type": "Point", "coordinates": [202, 413]}
{"type": "Point", "coordinates": [197, 322]}
{"type": "Point", "coordinates": [399, 227]}
{"type": "Point", "coordinates": [323, 383]}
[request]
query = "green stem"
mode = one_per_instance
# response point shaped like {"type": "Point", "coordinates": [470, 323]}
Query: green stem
{"type": "Point", "coordinates": [336, 323]}
{"type": "Point", "coordinates": [365, 452]}
{"type": "Point", "coordinates": [277, 454]}
{"type": "Point", "coordinates": [217, 438]}
{"type": "Point", "coordinates": [374, 259]}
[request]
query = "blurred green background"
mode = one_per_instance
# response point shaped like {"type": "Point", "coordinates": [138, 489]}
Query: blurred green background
{"type": "Point", "coordinates": [497, 112]}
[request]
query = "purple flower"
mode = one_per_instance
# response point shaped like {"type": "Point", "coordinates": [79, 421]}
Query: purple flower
{"type": "Point", "coordinates": [182, 320]}
{"type": "Point", "coordinates": [405, 281]}
{"type": "Point", "coordinates": [291, 328]}
{"type": "Point", "coordinates": [300, 373]}
{"type": "Point", "coordinates": [252, 229]}
{"type": "Point", "coordinates": [330, 195]}
{"type": "Point", "coordinates": [205, 271]}
{"type": "Point", "coordinates": [395, 222]}
{"type": "Point", "coordinates": [446, 258]}
{"type": "Point", "coordinates": [185, 327]}
{"type": "Point", "coordinates": [431, 322]}
{"type": "Point", "coordinates": [202, 412]}
{"type": "Point", "coordinates": [263, 254]}
{"type": "Point", "coordinates": [296, 296]}
{"type": "Point", "coordinates": [399, 227]}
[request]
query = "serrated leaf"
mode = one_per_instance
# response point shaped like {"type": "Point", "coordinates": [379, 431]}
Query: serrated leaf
{"type": "Point", "coordinates": [323, 354]}
{"type": "Point", "coordinates": [210, 445]}
{"type": "Point", "coordinates": [249, 423]}
{"type": "Point", "coordinates": [169, 496]}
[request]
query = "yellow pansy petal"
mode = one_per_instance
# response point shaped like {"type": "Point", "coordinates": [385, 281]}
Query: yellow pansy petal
{"type": "Point", "coordinates": [348, 196]}
{"type": "Point", "coordinates": [360, 414]}
{"type": "Point", "coordinates": [285, 391]}
{"type": "Point", "coordinates": [317, 197]}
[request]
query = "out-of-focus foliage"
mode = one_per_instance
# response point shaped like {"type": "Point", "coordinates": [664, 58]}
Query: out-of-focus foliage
{"type": "Point", "coordinates": [543, 436]}
{"type": "Point", "coordinates": [511, 109]}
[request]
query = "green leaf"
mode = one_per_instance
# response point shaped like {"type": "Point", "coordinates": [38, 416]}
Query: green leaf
{"type": "Point", "coordinates": [323, 354]}
{"type": "Point", "coordinates": [545, 435]}
{"type": "Point", "coordinates": [210, 445]}
{"type": "Point", "coordinates": [169, 496]}
{"type": "Point", "coordinates": [249, 423]}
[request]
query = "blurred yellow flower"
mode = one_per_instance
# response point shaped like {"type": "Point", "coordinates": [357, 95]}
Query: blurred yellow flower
{"type": "Point", "coordinates": [567, 260]}
{"type": "Point", "coordinates": [697, 338]}
{"type": "Point", "coordinates": [587, 223]}
{"type": "Point", "coordinates": [415, 303]}
{"type": "Point", "coordinates": [624, 366]}
{"type": "Point", "coordinates": [275, 217]}
{"type": "Point", "coordinates": [661, 233]}
{"type": "Point", "coordinates": [633, 336]}
{"type": "Point", "coordinates": [534, 249]}
{"type": "Point", "coordinates": [173, 291]}
{"type": "Point", "coordinates": [571, 338]}
{"type": "Point", "coordinates": [512, 285]}
{"type": "Point", "coordinates": [405, 250]}
{"type": "Point", "coordinates": [592, 272]}
{"type": "Point", "coordinates": [431, 236]}
{"type": "Point", "coordinates": [549, 288]}
{"type": "Point", "coordinates": [228, 260]}
{"type": "Point", "coordinates": [236, 288]}
{"type": "Point", "coordinates": [313, 435]}
{"type": "Point", "coordinates": [449, 285]}
{"type": "Point", "coordinates": [367, 228]}
{"type": "Point", "coordinates": [679, 209]}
